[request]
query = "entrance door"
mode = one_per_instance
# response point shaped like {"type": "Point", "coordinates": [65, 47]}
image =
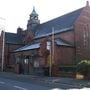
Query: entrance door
{"type": "Point", "coordinates": [28, 65]}
{"type": "Point", "coordinates": [31, 68]}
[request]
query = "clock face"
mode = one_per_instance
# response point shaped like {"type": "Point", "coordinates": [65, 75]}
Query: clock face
{"type": "Point", "coordinates": [35, 17]}
{"type": "Point", "coordinates": [32, 17]}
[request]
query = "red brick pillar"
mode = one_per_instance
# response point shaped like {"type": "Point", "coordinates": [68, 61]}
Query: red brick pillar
{"type": "Point", "coordinates": [17, 68]}
{"type": "Point", "coordinates": [88, 76]}
{"type": "Point", "coordinates": [55, 70]}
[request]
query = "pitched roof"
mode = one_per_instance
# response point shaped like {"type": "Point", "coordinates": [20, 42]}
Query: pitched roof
{"type": "Point", "coordinates": [13, 38]}
{"type": "Point", "coordinates": [60, 24]}
{"type": "Point", "coordinates": [37, 45]}
{"type": "Point", "coordinates": [62, 43]}
{"type": "Point", "coordinates": [28, 47]}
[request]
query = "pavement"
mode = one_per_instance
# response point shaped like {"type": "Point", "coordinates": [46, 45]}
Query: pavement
{"type": "Point", "coordinates": [47, 80]}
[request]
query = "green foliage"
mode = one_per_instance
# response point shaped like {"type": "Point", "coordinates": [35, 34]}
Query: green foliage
{"type": "Point", "coordinates": [82, 67]}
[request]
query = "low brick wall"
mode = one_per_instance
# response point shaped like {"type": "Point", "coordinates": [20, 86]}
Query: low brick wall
{"type": "Point", "coordinates": [67, 74]}
{"type": "Point", "coordinates": [57, 72]}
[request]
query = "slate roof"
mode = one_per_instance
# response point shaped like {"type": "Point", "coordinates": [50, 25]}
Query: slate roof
{"type": "Point", "coordinates": [37, 45]}
{"type": "Point", "coordinates": [60, 24]}
{"type": "Point", "coordinates": [62, 43]}
{"type": "Point", "coordinates": [13, 38]}
{"type": "Point", "coordinates": [28, 47]}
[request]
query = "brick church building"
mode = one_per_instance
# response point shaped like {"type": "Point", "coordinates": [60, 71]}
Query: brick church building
{"type": "Point", "coordinates": [63, 41]}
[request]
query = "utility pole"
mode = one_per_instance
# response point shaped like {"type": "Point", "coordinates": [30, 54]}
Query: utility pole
{"type": "Point", "coordinates": [3, 45]}
{"type": "Point", "coordinates": [51, 49]}
{"type": "Point", "coordinates": [3, 42]}
{"type": "Point", "coordinates": [52, 44]}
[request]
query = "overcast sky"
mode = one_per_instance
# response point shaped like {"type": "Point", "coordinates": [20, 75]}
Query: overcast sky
{"type": "Point", "coordinates": [15, 13]}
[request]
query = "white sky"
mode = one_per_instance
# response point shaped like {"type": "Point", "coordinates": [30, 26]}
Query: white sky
{"type": "Point", "coordinates": [16, 12]}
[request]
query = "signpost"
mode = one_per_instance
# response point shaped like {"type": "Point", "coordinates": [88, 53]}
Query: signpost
{"type": "Point", "coordinates": [50, 59]}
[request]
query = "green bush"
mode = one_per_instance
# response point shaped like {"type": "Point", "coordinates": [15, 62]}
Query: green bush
{"type": "Point", "coordinates": [82, 67]}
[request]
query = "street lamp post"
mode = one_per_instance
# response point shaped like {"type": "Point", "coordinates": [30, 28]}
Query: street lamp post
{"type": "Point", "coordinates": [3, 44]}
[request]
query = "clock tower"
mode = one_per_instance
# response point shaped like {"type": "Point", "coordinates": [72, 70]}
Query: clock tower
{"type": "Point", "coordinates": [33, 20]}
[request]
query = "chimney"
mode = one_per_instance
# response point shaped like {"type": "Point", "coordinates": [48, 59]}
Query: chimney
{"type": "Point", "coordinates": [19, 30]}
{"type": "Point", "coordinates": [87, 3]}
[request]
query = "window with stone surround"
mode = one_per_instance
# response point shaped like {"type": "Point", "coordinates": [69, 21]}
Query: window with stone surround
{"type": "Point", "coordinates": [86, 37]}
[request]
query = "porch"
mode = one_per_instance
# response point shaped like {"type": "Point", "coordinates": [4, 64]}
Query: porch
{"type": "Point", "coordinates": [28, 60]}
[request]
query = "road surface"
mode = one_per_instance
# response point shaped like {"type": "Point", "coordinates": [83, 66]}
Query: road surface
{"type": "Point", "coordinates": [8, 84]}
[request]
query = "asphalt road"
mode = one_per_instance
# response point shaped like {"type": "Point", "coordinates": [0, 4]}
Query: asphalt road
{"type": "Point", "coordinates": [8, 84]}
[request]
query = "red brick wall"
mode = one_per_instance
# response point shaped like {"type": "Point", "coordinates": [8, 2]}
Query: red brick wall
{"type": "Point", "coordinates": [64, 55]}
{"type": "Point", "coordinates": [82, 35]}
{"type": "Point", "coordinates": [9, 57]}
{"type": "Point", "coordinates": [68, 36]}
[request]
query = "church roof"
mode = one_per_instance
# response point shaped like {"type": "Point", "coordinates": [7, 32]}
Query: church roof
{"type": "Point", "coordinates": [28, 47]}
{"type": "Point", "coordinates": [58, 42]}
{"type": "Point", "coordinates": [13, 38]}
{"type": "Point", "coordinates": [60, 24]}
{"type": "Point", "coordinates": [62, 43]}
